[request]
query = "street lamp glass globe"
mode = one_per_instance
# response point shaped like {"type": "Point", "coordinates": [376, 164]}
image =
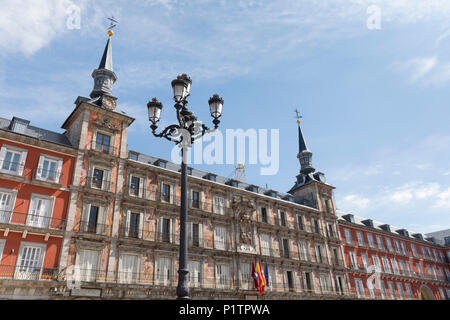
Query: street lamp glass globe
{"type": "Point", "coordinates": [215, 106]}
{"type": "Point", "coordinates": [179, 89]}
{"type": "Point", "coordinates": [154, 110]}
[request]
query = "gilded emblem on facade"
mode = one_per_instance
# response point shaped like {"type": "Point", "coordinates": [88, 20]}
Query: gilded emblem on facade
{"type": "Point", "coordinates": [244, 209]}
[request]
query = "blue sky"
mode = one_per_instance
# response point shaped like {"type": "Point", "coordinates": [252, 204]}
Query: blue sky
{"type": "Point", "coordinates": [374, 102]}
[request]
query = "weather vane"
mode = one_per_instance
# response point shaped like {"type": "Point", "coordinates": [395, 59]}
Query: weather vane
{"type": "Point", "coordinates": [113, 23]}
{"type": "Point", "coordinates": [298, 116]}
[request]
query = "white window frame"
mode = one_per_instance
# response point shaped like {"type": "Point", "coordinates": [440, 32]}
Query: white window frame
{"type": "Point", "coordinates": [58, 164]}
{"type": "Point", "coordinates": [222, 275]}
{"type": "Point", "coordinates": [23, 156]}
{"type": "Point", "coordinates": [127, 276]}
{"type": "Point", "coordinates": [195, 280]}
{"type": "Point", "coordinates": [112, 139]}
{"type": "Point", "coordinates": [101, 218]}
{"type": "Point", "coordinates": [409, 290]}
{"type": "Point", "coordinates": [348, 236]}
{"type": "Point", "coordinates": [221, 237]}
{"type": "Point", "coordinates": [219, 204]}
{"type": "Point", "coordinates": [266, 251]}
{"type": "Point", "coordinates": [160, 278]}
{"type": "Point", "coordinates": [41, 220]}
{"type": "Point", "coordinates": [370, 240]}
{"type": "Point", "coordinates": [380, 242]}
{"type": "Point", "coordinates": [172, 194]}
{"type": "Point", "coordinates": [2, 247]}
{"type": "Point", "coordinates": [360, 237]}
{"type": "Point", "coordinates": [127, 220]}
{"type": "Point", "coordinates": [89, 274]}
{"type": "Point", "coordinates": [359, 286]}
{"type": "Point", "coordinates": [245, 275]}
{"type": "Point", "coordinates": [7, 212]}
{"type": "Point", "coordinates": [389, 244]}
{"type": "Point", "coordinates": [106, 181]}
{"type": "Point", "coordinates": [391, 289]}
{"type": "Point", "coordinates": [26, 275]}
{"type": "Point", "coordinates": [303, 247]}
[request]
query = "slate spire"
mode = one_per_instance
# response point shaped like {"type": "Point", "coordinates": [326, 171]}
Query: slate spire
{"type": "Point", "coordinates": [104, 76]}
{"type": "Point", "coordinates": [304, 155]}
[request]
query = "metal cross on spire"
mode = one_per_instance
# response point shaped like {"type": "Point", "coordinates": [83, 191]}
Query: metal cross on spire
{"type": "Point", "coordinates": [298, 116]}
{"type": "Point", "coordinates": [113, 22]}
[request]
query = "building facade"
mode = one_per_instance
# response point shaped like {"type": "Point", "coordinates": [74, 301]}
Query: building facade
{"type": "Point", "coordinates": [410, 266]}
{"type": "Point", "coordinates": [36, 168]}
{"type": "Point", "coordinates": [83, 217]}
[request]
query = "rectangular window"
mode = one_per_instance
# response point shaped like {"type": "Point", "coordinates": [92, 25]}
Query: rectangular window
{"type": "Point", "coordinates": [401, 267]}
{"type": "Point", "coordinates": [424, 254]}
{"type": "Point", "coordinates": [391, 289]}
{"type": "Point", "coordinates": [166, 230]}
{"type": "Point", "coordinates": [316, 226]}
{"type": "Point", "coordinates": [353, 261]}
{"type": "Point", "coordinates": [7, 200]}
{"type": "Point", "coordinates": [135, 186]}
{"type": "Point", "coordinates": [419, 269]}
{"type": "Point", "coordinates": [365, 260]}
{"type": "Point", "coordinates": [40, 211]}
{"type": "Point", "coordinates": [414, 250]}
{"type": "Point", "coordinates": [97, 178]}
{"type": "Point", "coordinates": [348, 236]}
{"type": "Point", "coordinates": [325, 284]}
{"type": "Point", "coordinates": [340, 284]}
{"type": "Point", "coordinates": [265, 244]}
{"type": "Point", "coordinates": [397, 246]}
{"type": "Point", "coordinates": [400, 290]}
{"type": "Point", "coordinates": [308, 281]}
{"type": "Point", "coordinates": [360, 237]}
{"type": "Point", "coordinates": [166, 193]}
{"type": "Point", "coordinates": [103, 142]}
{"type": "Point", "coordinates": [389, 245]}
{"type": "Point", "coordinates": [87, 262]}
{"type": "Point", "coordinates": [220, 238]}
{"type": "Point", "coordinates": [330, 231]}
{"type": "Point", "coordinates": [219, 205]}
{"type": "Point", "coordinates": [382, 289]}
{"type": "Point", "coordinates": [49, 168]}
{"type": "Point", "coordinates": [282, 219]}
{"type": "Point", "coordinates": [359, 288]}
{"type": "Point", "coordinates": [409, 269]}
{"type": "Point", "coordinates": [380, 243]}
{"type": "Point", "coordinates": [195, 199]}
{"type": "Point", "coordinates": [134, 225]}
{"type": "Point", "coordinates": [264, 217]}
{"type": "Point", "coordinates": [284, 248]}
{"type": "Point", "coordinates": [12, 160]}
{"type": "Point", "coordinates": [386, 265]}
{"type": "Point", "coordinates": [376, 262]}
{"type": "Point", "coordinates": [300, 222]}
{"type": "Point", "coordinates": [245, 277]}
{"type": "Point", "coordinates": [128, 268]}
{"type": "Point", "coordinates": [304, 251]}
{"type": "Point", "coordinates": [394, 266]}
{"type": "Point", "coordinates": [164, 271]}
{"type": "Point", "coordinates": [194, 274]}
{"type": "Point", "coordinates": [92, 219]}
{"type": "Point", "coordinates": [404, 251]}
{"type": "Point", "coordinates": [29, 266]}
{"type": "Point", "coordinates": [320, 254]}
{"type": "Point", "coordinates": [2, 247]}
{"type": "Point", "coordinates": [222, 276]}
{"type": "Point", "coordinates": [289, 280]}
{"type": "Point", "coordinates": [409, 291]}
{"type": "Point", "coordinates": [370, 240]}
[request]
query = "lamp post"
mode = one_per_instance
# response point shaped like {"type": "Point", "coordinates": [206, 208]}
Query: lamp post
{"type": "Point", "coordinates": [183, 134]}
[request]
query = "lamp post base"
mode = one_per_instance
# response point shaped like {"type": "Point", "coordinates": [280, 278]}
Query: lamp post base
{"type": "Point", "coordinates": [182, 288]}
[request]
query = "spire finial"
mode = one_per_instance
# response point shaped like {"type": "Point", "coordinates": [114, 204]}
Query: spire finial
{"type": "Point", "coordinates": [298, 116]}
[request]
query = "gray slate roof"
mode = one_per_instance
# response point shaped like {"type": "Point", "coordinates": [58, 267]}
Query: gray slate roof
{"type": "Point", "coordinates": [439, 236]}
{"type": "Point", "coordinates": [36, 132]}
{"type": "Point", "coordinates": [358, 220]}
{"type": "Point", "coordinates": [203, 174]}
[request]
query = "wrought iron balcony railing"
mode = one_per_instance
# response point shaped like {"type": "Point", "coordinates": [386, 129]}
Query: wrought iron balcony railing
{"type": "Point", "coordinates": [27, 272]}
{"type": "Point", "coordinates": [32, 220]}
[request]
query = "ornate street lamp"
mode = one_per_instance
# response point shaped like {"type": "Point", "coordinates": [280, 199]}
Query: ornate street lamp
{"type": "Point", "coordinates": [183, 134]}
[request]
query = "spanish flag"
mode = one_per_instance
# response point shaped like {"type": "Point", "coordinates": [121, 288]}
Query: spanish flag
{"type": "Point", "coordinates": [262, 282]}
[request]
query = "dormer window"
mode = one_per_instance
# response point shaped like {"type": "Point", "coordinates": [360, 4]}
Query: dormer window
{"type": "Point", "coordinates": [211, 177]}
{"type": "Point", "coordinates": [161, 163]}
{"type": "Point", "coordinates": [102, 143]}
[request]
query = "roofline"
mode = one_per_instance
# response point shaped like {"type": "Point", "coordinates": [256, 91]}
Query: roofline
{"type": "Point", "coordinates": [93, 105]}
{"type": "Point", "coordinates": [225, 185]}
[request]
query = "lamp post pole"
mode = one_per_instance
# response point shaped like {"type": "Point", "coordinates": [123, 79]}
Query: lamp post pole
{"type": "Point", "coordinates": [183, 134]}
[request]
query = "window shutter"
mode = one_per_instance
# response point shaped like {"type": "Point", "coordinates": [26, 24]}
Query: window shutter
{"type": "Point", "coordinates": [259, 214]}
{"type": "Point", "coordinates": [279, 217]}
{"type": "Point", "coordinates": [200, 234]}
{"type": "Point", "coordinates": [202, 200]}
{"type": "Point", "coordinates": [58, 171]}
{"type": "Point", "coordinates": [101, 225]}
{"type": "Point", "coordinates": [159, 226]}
{"type": "Point", "coordinates": [172, 191]}
{"type": "Point", "coordinates": [23, 158]}
{"type": "Point", "coordinates": [129, 184]}
{"type": "Point", "coordinates": [2, 155]}
{"type": "Point", "coordinates": [141, 187]}
{"type": "Point", "coordinates": [160, 190]}
{"type": "Point", "coordinates": [141, 225]}
{"type": "Point", "coordinates": [190, 230]}
{"type": "Point", "coordinates": [39, 168]}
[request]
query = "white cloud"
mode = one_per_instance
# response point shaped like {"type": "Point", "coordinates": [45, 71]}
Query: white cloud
{"type": "Point", "coordinates": [443, 199]}
{"type": "Point", "coordinates": [353, 202]}
{"type": "Point", "coordinates": [416, 68]}
{"type": "Point", "coordinates": [427, 191]}
{"type": "Point", "coordinates": [402, 197]}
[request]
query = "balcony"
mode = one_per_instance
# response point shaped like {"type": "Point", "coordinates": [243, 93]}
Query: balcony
{"type": "Point", "coordinates": [92, 227]}
{"type": "Point", "coordinates": [103, 148]}
{"type": "Point", "coordinates": [31, 220]}
{"type": "Point", "coordinates": [44, 175]}
{"type": "Point", "coordinates": [99, 184]}
{"type": "Point", "coordinates": [16, 272]}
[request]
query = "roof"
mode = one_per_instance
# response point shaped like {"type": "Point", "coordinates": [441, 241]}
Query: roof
{"type": "Point", "coordinates": [106, 62]}
{"type": "Point", "coordinates": [301, 140]}
{"type": "Point", "coordinates": [35, 132]}
{"type": "Point", "coordinates": [377, 225]}
{"type": "Point", "coordinates": [147, 159]}
{"type": "Point", "coordinates": [440, 236]}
